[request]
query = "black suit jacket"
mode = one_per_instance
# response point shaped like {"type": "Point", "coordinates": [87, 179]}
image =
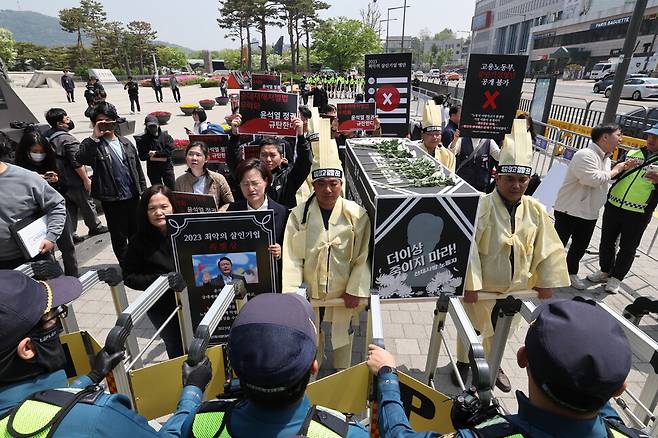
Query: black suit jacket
{"type": "Point", "coordinates": [218, 281]}
{"type": "Point", "coordinates": [280, 216]}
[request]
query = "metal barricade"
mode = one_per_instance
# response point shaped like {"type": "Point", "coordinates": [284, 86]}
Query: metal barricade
{"type": "Point", "coordinates": [645, 348]}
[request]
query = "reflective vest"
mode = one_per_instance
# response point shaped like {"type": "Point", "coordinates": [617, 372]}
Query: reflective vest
{"type": "Point", "coordinates": [41, 413]}
{"type": "Point", "coordinates": [632, 191]}
{"type": "Point", "coordinates": [211, 420]}
{"type": "Point", "coordinates": [500, 427]}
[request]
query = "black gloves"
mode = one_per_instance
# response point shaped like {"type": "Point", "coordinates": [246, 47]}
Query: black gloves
{"type": "Point", "coordinates": [176, 281]}
{"type": "Point", "coordinates": [110, 276]}
{"type": "Point", "coordinates": [103, 364]}
{"type": "Point", "coordinates": [198, 375]}
{"type": "Point", "coordinates": [46, 270]}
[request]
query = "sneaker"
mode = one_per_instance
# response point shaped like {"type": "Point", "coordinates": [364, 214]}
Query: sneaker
{"type": "Point", "coordinates": [101, 229]}
{"type": "Point", "coordinates": [576, 282]}
{"type": "Point", "coordinates": [613, 285]}
{"type": "Point", "coordinates": [598, 277]}
{"type": "Point", "coordinates": [502, 381]}
{"type": "Point", "coordinates": [463, 369]}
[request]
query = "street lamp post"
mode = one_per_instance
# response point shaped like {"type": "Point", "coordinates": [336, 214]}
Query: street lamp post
{"type": "Point", "coordinates": [404, 20]}
{"type": "Point", "coordinates": [379, 32]}
{"type": "Point", "coordinates": [388, 18]}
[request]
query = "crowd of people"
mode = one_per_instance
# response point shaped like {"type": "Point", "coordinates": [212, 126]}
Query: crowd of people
{"type": "Point", "coordinates": [322, 239]}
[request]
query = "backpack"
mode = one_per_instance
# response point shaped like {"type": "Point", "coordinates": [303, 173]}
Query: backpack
{"type": "Point", "coordinates": [214, 128]}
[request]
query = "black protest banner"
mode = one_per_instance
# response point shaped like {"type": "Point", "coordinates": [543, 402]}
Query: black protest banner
{"type": "Point", "coordinates": [492, 95]}
{"type": "Point", "coordinates": [260, 81]}
{"type": "Point", "coordinates": [356, 116]}
{"type": "Point", "coordinates": [210, 248]}
{"type": "Point", "coordinates": [268, 112]}
{"type": "Point", "coordinates": [194, 203]}
{"type": "Point", "coordinates": [388, 85]}
{"type": "Point", "coordinates": [216, 144]}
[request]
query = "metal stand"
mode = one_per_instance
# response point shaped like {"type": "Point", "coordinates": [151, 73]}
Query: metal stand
{"type": "Point", "coordinates": [509, 307]}
{"type": "Point", "coordinates": [465, 334]}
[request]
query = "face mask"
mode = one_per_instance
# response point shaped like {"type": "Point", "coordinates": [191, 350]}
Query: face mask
{"type": "Point", "coordinates": [49, 357]}
{"type": "Point", "coordinates": [37, 158]}
{"type": "Point", "coordinates": [153, 130]}
{"type": "Point", "coordinates": [71, 125]}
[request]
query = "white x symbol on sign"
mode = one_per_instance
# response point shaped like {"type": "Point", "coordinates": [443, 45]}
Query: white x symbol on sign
{"type": "Point", "coordinates": [387, 98]}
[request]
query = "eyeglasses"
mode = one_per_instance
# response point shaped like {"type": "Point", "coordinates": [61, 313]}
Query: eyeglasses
{"type": "Point", "coordinates": [56, 313]}
{"type": "Point", "coordinates": [251, 184]}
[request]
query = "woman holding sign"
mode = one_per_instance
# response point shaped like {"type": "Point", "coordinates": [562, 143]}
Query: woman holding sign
{"type": "Point", "coordinates": [255, 177]}
{"type": "Point", "coordinates": [149, 256]}
{"type": "Point", "coordinates": [198, 179]}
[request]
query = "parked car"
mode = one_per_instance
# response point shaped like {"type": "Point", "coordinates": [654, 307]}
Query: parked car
{"type": "Point", "coordinates": [637, 88]}
{"type": "Point", "coordinates": [602, 84]}
{"type": "Point", "coordinates": [453, 76]}
{"type": "Point", "coordinates": [434, 73]}
{"type": "Point", "coordinates": [634, 123]}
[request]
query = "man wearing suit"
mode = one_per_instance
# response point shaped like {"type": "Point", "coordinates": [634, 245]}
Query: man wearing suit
{"type": "Point", "coordinates": [226, 274]}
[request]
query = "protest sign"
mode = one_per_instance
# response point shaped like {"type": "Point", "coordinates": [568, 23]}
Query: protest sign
{"type": "Point", "coordinates": [388, 85]}
{"type": "Point", "coordinates": [260, 81]}
{"type": "Point", "coordinates": [201, 245]}
{"type": "Point", "coordinates": [356, 116]}
{"type": "Point", "coordinates": [491, 95]}
{"type": "Point", "coordinates": [194, 203]}
{"type": "Point", "coordinates": [268, 112]}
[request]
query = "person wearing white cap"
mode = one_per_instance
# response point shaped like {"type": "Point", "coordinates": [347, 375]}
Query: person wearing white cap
{"type": "Point", "coordinates": [431, 139]}
{"type": "Point", "coordinates": [326, 247]}
{"type": "Point", "coordinates": [516, 246]}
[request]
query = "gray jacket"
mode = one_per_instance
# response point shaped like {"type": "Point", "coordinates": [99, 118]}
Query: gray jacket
{"type": "Point", "coordinates": [24, 193]}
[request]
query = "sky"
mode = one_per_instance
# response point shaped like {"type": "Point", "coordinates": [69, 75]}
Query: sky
{"type": "Point", "coordinates": [193, 23]}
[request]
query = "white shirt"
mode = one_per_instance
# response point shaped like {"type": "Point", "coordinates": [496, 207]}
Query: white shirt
{"type": "Point", "coordinates": [262, 207]}
{"type": "Point", "coordinates": [199, 127]}
{"type": "Point", "coordinates": [585, 187]}
{"type": "Point", "coordinates": [494, 149]}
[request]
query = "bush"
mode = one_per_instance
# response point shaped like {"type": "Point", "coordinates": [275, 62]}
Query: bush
{"type": "Point", "coordinates": [181, 144]}
{"type": "Point", "coordinates": [209, 84]}
{"type": "Point", "coordinates": [160, 113]}
{"type": "Point", "coordinates": [207, 101]}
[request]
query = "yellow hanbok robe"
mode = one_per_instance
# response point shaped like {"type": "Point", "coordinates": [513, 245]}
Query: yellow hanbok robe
{"type": "Point", "coordinates": [330, 262]}
{"type": "Point", "coordinates": [539, 257]}
{"type": "Point", "coordinates": [443, 155]}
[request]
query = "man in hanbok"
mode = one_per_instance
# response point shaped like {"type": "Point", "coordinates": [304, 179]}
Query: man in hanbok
{"type": "Point", "coordinates": [326, 248]}
{"type": "Point", "coordinates": [431, 137]}
{"type": "Point", "coordinates": [516, 246]}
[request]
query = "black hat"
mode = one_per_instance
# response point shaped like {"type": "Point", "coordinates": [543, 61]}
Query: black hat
{"type": "Point", "coordinates": [577, 354]}
{"type": "Point", "coordinates": [151, 120]}
{"type": "Point", "coordinates": [24, 301]}
{"type": "Point", "coordinates": [273, 342]}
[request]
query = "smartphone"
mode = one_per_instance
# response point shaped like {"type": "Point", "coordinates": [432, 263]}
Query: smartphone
{"type": "Point", "coordinates": [107, 125]}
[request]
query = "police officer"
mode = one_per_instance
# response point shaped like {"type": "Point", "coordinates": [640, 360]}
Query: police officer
{"type": "Point", "coordinates": [34, 394]}
{"type": "Point", "coordinates": [570, 380]}
{"type": "Point", "coordinates": [272, 348]}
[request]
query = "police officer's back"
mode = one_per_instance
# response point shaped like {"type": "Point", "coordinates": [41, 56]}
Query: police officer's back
{"type": "Point", "coordinates": [272, 348]}
{"type": "Point", "coordinates": [577, 358]}
{"type": "Point", "coordinates": [34, 393]}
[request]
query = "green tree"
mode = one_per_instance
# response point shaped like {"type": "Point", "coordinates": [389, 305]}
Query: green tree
{"type": "Point", "coordinates": [140, 39]}
{"type": "Point", "coordinates": [7, 52]}
{"type": "Point", "coordinates": [170, 57]}
{"type": "Point", "coordinates": [445, 34]}
{"type": "Point", "coordinates": [265, 13]}
{"type": "Point", "coordinates": [309, 22]}
{"type": "Point", "coordinates": [235, 17]}
{"type": "Point", "coordinates": [73, 20]}
{"type": "Point", "coordinates": [94, 25]}
{"type": "Point", "coordinates": [443, 57]}
{"type": "Point", "coordinates": [341, 43]}
{"type": "Point", "coordinates": [232, 58]}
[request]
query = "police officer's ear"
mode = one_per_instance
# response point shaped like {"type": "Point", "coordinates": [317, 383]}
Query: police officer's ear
{"type": "Point", "coordinates": [315, 367]}
{"type": "Point", "coordinates": [25, 350]}
{"type": "Point", "coordinates": [522, 357]}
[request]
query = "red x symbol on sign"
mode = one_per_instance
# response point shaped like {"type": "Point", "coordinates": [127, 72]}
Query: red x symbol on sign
{"type": "Point", "coordinates": [490, 99]}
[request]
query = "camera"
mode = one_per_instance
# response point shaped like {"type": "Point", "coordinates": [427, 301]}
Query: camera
{"type": "Point", "coordinates": [467, 410]}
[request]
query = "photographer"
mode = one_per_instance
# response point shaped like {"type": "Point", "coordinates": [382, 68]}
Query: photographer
{"type": "Point", "coordinates": [118, 180]}
{"type": "Point", "coordinates": [33, 153]}
{"type": "Point", "coordinates": [570, 380]}
{"type": "Point", "coordinates": [35, 396]}
{"type": "Point", "coordinates": [272, 347]}
{"type": "Point", "coordinates": [155, 147]}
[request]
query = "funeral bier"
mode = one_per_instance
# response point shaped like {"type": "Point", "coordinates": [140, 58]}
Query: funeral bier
{"type": "Point", "coordinates": [423, 217]}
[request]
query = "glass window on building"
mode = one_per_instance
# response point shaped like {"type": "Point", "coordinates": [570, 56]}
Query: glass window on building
{"type": "Point", "coordinates": [502, 32]}
{"type": "Point", "coordinates": [511, 40]}
{"type": "Point", "coordinates": [523, 39]}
